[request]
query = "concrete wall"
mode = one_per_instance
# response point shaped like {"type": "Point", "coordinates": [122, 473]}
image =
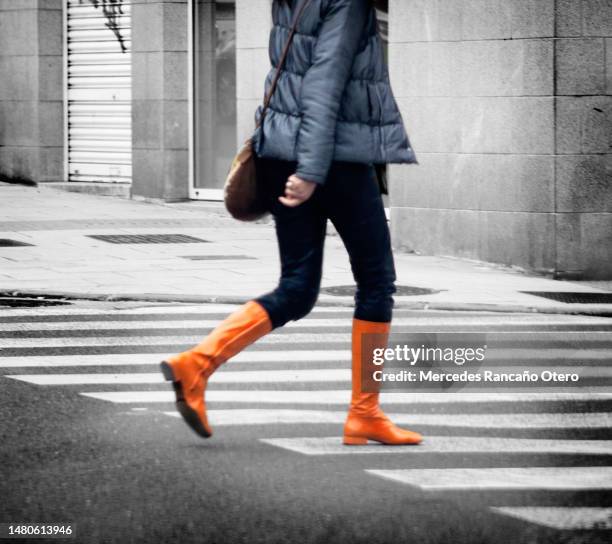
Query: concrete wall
{"type": "Point", "coordinates": [509, 110]}
{"type": "Point", "coordinates": [31, 107]}
{"type": "Point", "coordinates": [160, 113]}
{"type": "Point", "coordinates": [253, 24]}
{"type": "Point", "coordinates": [584, 137]}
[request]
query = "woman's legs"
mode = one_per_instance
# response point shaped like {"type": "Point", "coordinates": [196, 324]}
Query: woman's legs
{"type": "Point", "coordinates": [354, 204]}
{"type": "Point", "coordinates": [365, 420]}
{"type": "Point", "coordinates": [355, 207]}
{"type": "Point", "coordinates": [301, 233]}
{"type": "Point", "coordinates": [189, 371]}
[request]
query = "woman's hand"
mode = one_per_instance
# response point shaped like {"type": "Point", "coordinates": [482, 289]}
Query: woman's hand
{"type": "Point", "coordinates": [297, 191]}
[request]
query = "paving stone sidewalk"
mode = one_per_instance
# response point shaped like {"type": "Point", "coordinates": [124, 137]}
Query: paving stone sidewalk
{"type": "Point", "coordinates": [234, 261]}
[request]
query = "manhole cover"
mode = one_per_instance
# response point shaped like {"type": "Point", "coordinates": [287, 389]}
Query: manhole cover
{"type": "Point", "coordinates": [217, 257]}
{"type": "Point", "coordinates": [5, 242]}
{"type": "Point", "coordinates": [147, 238]}
{"type": "Point", "coordinates": [574, 298]}
{"type": "Point", "coordinates": [401, 290]}
{"type": "Point", "coordinates": [24, 302]}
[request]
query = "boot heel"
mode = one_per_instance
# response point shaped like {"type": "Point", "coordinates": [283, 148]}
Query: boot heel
{"type": "Point", "coordinates": [355, 440]}
{"type": "Point", "coordinates": [166, 370]}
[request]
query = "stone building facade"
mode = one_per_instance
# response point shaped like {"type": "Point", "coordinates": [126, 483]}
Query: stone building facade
{"type": "Point", "coordinates": [508, 105]}
{"type": "Point", "coordinates": [510, 110]}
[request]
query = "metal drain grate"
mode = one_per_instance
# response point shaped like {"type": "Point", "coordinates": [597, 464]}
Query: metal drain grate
{"type": "Point", "coordinates": [28, 302]}
{"type": "Point", "coordinates": [5, 242]}
{"type": "Point", "coordinates": [217, 257]}
{"type": "Point", "coordinates": [574, 298]}
{"type": "Point", "coordinates": [401, 290]}
{"type": "Point", "coordinates": [147, 238]}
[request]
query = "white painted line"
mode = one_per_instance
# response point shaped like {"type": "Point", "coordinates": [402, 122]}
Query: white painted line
{"type": "Point", "coordinates": [203, 308]}
{"type": "Point", "coordinates": [319, 375]}
{"type": "Point", "coordinates": [332, 445]}
{"type": "Point", "coordinates": [265, 417]}
{"type": "Point", "coordinates": [561, 517]}
{"type": "Point", "coordinates": [597, 420]}
{"type": "Point", "coordinates": [138, 325]}
{"type": "Point", "coordinates": [110, 325]}
{"type": "Point", "coordinates": [161, 309]}
{"type": "Point", "coordinates": [242, 376]}
{"type": "Point", "coordinates": [529, 478]}
{"type": "Point", "coordinates": [342, 397]}
{"type": "Point", "coordinates": [136, 340]}
{"type": "Point", "coordinates": [88, 379]}
{"type": "Point", "coordinates": [133, 359]}
{"type": "Point", "coordinates": [590, 420]}
{"type": "Point", "coordinates": [344, 321]}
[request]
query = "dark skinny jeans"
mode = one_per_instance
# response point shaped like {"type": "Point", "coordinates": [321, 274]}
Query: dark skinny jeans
{"type": "Point", "coordinates": [351, 199]}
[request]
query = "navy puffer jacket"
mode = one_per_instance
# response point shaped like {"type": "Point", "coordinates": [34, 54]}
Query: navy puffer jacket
{"type": "Point", "coordinates": [333, 100]}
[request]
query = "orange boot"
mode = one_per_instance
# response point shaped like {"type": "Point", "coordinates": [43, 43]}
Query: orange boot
{"type": "Point", "coordinates": [366, 421]}
{"type": "Point", "coordinates": [189, 371]}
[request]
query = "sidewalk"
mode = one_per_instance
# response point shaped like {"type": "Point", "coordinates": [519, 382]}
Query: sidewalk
{"type": "Point", "coordinates": [237, 261]}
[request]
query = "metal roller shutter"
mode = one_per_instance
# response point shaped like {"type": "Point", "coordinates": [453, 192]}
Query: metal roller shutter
{"type": "Point", "coordinates": [99, 94]}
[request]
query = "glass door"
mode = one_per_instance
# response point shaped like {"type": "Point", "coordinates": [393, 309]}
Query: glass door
{"type": "Point", "coordinates": [214, 95]}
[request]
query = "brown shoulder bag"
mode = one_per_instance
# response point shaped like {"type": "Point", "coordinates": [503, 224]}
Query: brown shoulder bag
{"type": "Point", "coordinates": [243, 193]}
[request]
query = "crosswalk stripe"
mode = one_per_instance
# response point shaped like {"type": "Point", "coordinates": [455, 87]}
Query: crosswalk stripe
{"type": "Point", "coordinates": [140, 339]}
{"type": "Point", "coordinates": [341, 397]}
{"type": "Point", "coordinates": [209, 323]}
{"type": "Point", "coordinates": [494, 356]}
{"type": "Point", "coordinates": [170, 325]}
{"type": "Point", "coordinates": [244, 376]}
{"type": "Point", "coordinates": [201, 311]}
{"type": "Point", "coordinates": [203, 308]}
{"type": "Point", "coordinates": [507, 478]}
{"type": "Point", "coordinates": [332, 445]}
{"type": "Point", "coordinates": [44, 315]}
{"type": "Point", "coordinates": [137, 359]}
{"type": "Point", "coordinates": [592, 421]}
{"type": "Point", "coordinates": [274, 357]}
{"type": "Point", "coordinates": [264, 417]}
{"type": "Point", "coordinates": [204, 323]}
{"type": "Point", "coordinates": [561, 517]}
{"type": "Point", "coordinates": [212, 308]}
{"type": "Point", "coordinates": [136, 340]}
{"type": "Point", "coordinates": [191, 313]}
{"type": "Point", "coordinates": [322, 375]}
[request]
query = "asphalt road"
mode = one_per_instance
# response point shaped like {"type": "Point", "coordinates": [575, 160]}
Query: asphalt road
{"type": "Point", "coordinates": [89, 436]}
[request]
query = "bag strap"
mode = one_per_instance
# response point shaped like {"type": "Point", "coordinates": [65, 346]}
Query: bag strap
{"type": "Point", "coordinates": [281, 62]}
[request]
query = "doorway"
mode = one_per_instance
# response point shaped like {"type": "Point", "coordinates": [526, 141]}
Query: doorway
{"type": "Point", "coordinates": [214, 95]}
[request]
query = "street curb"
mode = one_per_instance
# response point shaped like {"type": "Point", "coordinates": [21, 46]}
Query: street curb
{"type": "Point", "coordinates": [326, 301]}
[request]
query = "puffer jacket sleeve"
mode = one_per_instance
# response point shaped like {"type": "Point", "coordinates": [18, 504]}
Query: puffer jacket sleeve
{"type": "Point", "coordinates": [323, 85]}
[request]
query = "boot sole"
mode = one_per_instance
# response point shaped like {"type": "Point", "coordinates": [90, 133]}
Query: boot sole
{"type": "Point", "coordinates": [354, 441]}
{"type": "Point", "coordinates": [361, 441]}
{"type": "Point", "coordinates": [190, 416]}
